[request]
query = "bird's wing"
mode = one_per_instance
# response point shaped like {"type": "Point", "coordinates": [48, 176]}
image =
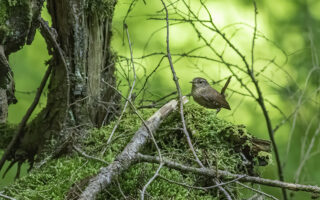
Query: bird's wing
{"type": "Point", "coordinates": [215, 97]}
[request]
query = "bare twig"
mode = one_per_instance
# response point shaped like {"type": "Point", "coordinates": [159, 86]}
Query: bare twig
{"type": "Point", "coordinates": [140, 117]}
{"type": "Point", "coordinates": [150, 131]}
{"type": "Point", "coordinates": [254, 35]}
{"type": "Point", "coordinates": [131, 89]}
{"type": "Point", "coordinates": [260, 99]}
{"type": "Point", "coordinates": [224, 191]}
{"type": "Point", "coordinates": [307, 154]}
{"type": "Point", "coordinates": [175, 78]}
{"type": "Point", "coordinates": [6, 197]}
{"type": "Point", "coordinates": [150, 181]}
{"type": "Point", "coordinates": [228, 175]}
{"type": "Point", "coordinates": [119, 186]}
{"type": "Point", "coordinates": [82, 153]}
{"type": "Point", "coordinates": [157, 102]}
{"type": "Point", "coordinates": [201, 188]}
{"type": "Point", "coordinates": [147, 78]}
{"type": "Point", "coordinates": [257, 191]}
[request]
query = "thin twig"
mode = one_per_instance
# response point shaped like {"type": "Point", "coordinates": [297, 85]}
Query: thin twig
{"type": "Point", "coordinates": [175, 78]}
{"type": "Point", "coordinates": [6, 197]}
{"type": "Point", "coordinates": [121, 192]}
{"type": "Point", "coordinates": [156, 102]}
{"type": "Point", "coordinates": [201, 188]}
{"type": "Point", "coordinates": [138, 114]}
{"type": "Point", "coordinates": [152, 137]}
{"type": "Point", "coordinates": [150, 181]}
{"type": "Point", "coordinates": [307, 154]}
{"type": "Point", "coordinates": [131, 89]}
{"type": "Point", "coordinates": [88, 156]}
{"type": "Point", "coordinates": [259, 99]}
{"type": "Point", "coordinates": [228, 175]}
{"type": "Point", "coordinates": [224, 191]}
{"type": "Point", "coordinates": [147, 78]}
{"type": "Point", "coordinates": [257, 191]}
{"type": "Point", "coordinates": [254, 35]}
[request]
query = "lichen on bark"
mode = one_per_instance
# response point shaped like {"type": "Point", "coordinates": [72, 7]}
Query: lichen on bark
{"type": "Point", "coordinates": [15, 19]}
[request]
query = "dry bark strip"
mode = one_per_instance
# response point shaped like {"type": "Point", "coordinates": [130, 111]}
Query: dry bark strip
{"type": "Point", "coordinates": [128, 156]}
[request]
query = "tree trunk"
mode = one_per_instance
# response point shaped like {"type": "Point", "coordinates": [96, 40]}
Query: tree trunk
{"type": "Point", "coordinates": [78, 96]}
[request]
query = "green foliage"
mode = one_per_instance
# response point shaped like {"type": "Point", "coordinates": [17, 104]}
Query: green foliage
{"type": "Point", "coordinates": [211, 142]}
{"type": "Point", "coordinates": [3, 18]}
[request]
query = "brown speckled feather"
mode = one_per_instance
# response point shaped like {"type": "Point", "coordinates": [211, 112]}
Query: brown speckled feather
{"type": "Point", "coordinates": [217, 98]}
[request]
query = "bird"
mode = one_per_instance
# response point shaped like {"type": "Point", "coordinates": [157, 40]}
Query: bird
{"type": "Point", "coordinates": [208, 97]}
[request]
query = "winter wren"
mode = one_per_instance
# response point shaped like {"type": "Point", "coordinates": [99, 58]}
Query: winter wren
{"type": "Point", "coordinates": [206, 96]}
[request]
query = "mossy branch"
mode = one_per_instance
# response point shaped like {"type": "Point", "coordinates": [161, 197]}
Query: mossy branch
{"type": "Point", "coordinates": [227, 175]}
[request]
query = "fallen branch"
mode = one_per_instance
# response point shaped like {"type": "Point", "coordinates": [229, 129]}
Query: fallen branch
{"type": "Point", "coordinates": [201, 188]}
{"type": "Point", "coordinates": [6, 197]}
{"type": "Point", "coordinates": [129, 155]}
{"type": "Point", "coordinates": [228, 175]}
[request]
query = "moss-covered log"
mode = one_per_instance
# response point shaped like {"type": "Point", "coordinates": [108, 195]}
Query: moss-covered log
{"type": "Point", "coordinates": [211, 137]}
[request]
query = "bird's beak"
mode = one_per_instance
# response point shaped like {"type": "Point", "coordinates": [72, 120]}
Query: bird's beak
{"type": "Point", "coordinates": [191, 82]}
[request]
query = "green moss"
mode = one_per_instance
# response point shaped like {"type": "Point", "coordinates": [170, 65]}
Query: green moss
{"type": "Point", "coordinates": [218, 144]}
{"type": "Point", "coordinates": [101, 7]}
{"type": "Point", "coordinates": [3, 12]}
{"type": "Point", "coordinates": [138, 175]}
{"type": "Point", "coordinates": [15, 18]}
{"type": "Point", "coordinates": [53, 180]}
{"type": "Point", "coordinates": [3, 18]}
{"type": "Point", "coordinates": [263, 158]}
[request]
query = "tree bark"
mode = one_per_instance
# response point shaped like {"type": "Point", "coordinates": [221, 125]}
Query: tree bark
{"type": "Point", "coordinates": [77, 95]}
{"type": "Point", "coordinates": [18, 24]}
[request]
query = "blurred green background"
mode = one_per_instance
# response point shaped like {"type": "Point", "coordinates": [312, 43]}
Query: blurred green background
{"type": "Point", "coordinates": [286, 51]}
